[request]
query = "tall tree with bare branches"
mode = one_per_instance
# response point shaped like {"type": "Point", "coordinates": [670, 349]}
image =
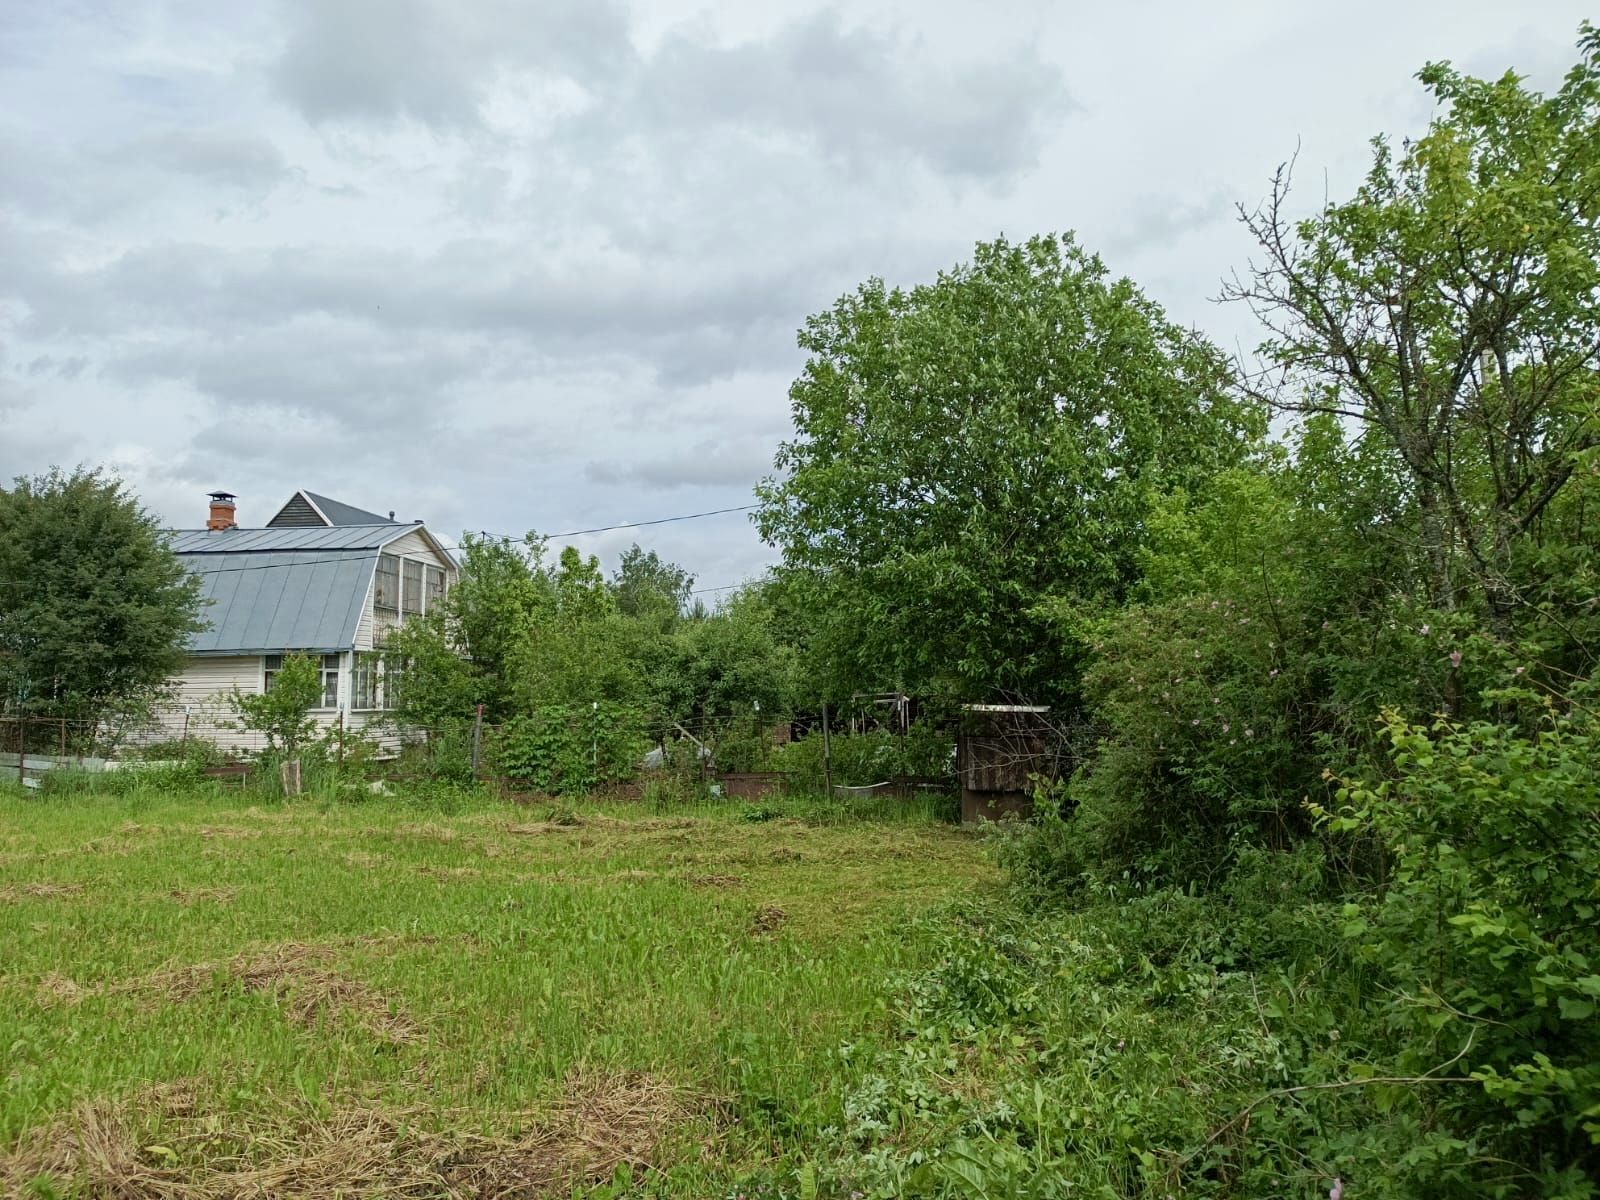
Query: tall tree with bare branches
{"type": "Point", "coordinates": [1453, 307]}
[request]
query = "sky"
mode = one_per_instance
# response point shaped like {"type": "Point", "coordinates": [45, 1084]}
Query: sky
{"type": "Point", "coordinates": [513, 266]}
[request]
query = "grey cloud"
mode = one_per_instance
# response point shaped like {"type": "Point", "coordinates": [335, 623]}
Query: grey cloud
{"type": "Point", "coordinates": [433, 61]}
{"type": "Point", "coordinates": [212, 156]}
{"type": "Point", "coordinates": [1154, 222]}
{"type": "Point", "coordinates": [859, 96]}
{"type": "Point", "coordinates": [708, 463]}
{"type": "Point", "coordinates": [689, 320]}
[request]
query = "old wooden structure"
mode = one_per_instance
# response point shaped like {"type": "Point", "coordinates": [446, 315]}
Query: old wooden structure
{"type": "Point", "coordinates": [999, 749]}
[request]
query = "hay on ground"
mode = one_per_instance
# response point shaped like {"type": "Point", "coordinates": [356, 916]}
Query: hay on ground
{"type": "Point", "coordinates": [601, 1121]}
{"type": "Point", "coordinates": [13, 892]}
{"type": "Point", "coordinates": [299, 976]}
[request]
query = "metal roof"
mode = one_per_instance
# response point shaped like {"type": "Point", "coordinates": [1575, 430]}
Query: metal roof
{"type": "Point", "coordinates": [268, 602]}
{"type": "Point", "coordinates": [252, 541]}
{"type": "Point", "coordinates": [339, 513]}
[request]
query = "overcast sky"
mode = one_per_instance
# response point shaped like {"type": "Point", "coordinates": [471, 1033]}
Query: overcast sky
{"type": "Point", "coordinates": [506, 264]}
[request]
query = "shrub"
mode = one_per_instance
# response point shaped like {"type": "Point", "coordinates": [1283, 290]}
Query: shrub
{"type": "Point", "coordinates": [571, 749]}
{"type": "Point", "coordinates": [1485, 935]}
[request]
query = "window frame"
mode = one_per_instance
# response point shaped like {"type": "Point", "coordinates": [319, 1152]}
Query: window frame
{"type": "Point", "coordinates": [378, 602]}
{"type": "Point", "coordinates": [271, 664]}
{"type": "Point", "coordinates": [412, 572]}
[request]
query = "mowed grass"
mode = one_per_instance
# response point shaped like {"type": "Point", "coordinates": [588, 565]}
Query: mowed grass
{"type": "Point", "coordinates": [286, 969]}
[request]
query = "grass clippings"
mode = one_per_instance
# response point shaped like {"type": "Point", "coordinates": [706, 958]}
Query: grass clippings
{"type": "Point", "coordinates": [299, 976]}
{"type": "Point", "coordinates": [56, 988]}
{"type": "Point", "coordinates": [600, 1122]}
{"type": "Point", "coordinates": [768, 919]}
{"type": "Point", "coordinates": [11, 893]}
{"type": "Point", "coordinates": [715, 881]}
{"type": "Point", "coordinates": [188, 897]}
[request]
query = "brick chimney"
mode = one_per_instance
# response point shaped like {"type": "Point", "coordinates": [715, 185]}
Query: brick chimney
{"type": "Point", "coordinates": [221, 511]}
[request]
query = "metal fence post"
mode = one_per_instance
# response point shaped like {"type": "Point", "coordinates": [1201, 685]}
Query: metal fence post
{"type": "Point", "coordinates": [477, 740]}
{"type": "Point", "coordinates": [22, 751]}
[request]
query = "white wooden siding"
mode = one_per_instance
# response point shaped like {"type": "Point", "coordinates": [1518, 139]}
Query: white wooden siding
{"type": "Point", "coordinates": [415, 545]}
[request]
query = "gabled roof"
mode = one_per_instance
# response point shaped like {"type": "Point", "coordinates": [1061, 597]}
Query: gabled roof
{"type": "Point", "coordinates": [307, 508]}
{"type": "Point", "coordinates": [314, 537]}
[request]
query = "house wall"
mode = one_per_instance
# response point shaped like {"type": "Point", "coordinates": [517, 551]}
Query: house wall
{"type": "Point", "coordinates": [202, 706]}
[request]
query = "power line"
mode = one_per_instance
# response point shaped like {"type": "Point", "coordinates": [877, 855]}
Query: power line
{"type": "Point", "coordinates": [714, 512]}
{"type": "Point", "coordinates": [366, 551]}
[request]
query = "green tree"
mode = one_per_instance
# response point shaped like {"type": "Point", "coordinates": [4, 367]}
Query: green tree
{"type": "Point", "coordinates": [504, 590]}
{"type": "Point", "coordinates": [95, 608]}
{"type": "Point", "coordinates": [1450, 307]}
{"type": "Point", "coordinates": [974, 448]}
{"type": "Point", "coordinates": [649, 587]}
{"type": "Point", "coordinates": [283, 711]}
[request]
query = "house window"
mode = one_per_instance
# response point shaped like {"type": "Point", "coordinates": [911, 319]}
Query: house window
{"type": "Point", "coordinates": [364, 682]}
{"type": "Point", "coordinates": [386, 586]}
{"type": "Point", "coordinates": [411, 587]}
{"type": "Point", "coordinates": [393, 673]}
{"type": "Point", "coordinates": [271, 664]}
{"type": "Point", "coordinates": [435, 586]}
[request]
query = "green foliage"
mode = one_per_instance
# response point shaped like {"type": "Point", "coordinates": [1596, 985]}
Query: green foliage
{"type": "Point", "coordinates": [924, 752]}
{"type": "Point", "coordinates": [650, 588]}
{"type": "Point", "coordinates": [975, 447]}
{"type": "Point", "coordinates": [95, 609]}
{"type": "Point", "coordinates": [567, 750]}
{"type": "Point", "coordinates": [283, 712]}
{"type": "Point", "coordinates": [1450, 305]}
{"type": "Point", "coordinates": [1485, 937]}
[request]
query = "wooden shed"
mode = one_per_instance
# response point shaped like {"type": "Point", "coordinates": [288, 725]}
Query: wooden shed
{"type": "Point", "coordinates": [998, 747]}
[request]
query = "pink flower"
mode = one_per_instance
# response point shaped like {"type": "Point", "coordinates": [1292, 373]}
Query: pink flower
{"type": "Point", "coordinates": [1519, 670]}
{"type": "Point", "coordinates": [1226, 727]}
{"type": "Point", "coordinates": [1425, 630]}
{"type": "Point", "coordinates": [1324, 624]}
{"type": "Point", "coordinates": [1272, 674]}
{"type": "Point", "coordinates": [1336, 1192]}
{"type": "Point", "coordinates": [1455, 659]}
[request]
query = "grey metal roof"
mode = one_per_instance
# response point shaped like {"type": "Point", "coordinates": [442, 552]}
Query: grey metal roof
{"type": "Point", "coordinates": [345, 514]}
{"type": "Point", "coordinates": [243, 541]}
{"type": "Point", "coordinates": [265, 602]}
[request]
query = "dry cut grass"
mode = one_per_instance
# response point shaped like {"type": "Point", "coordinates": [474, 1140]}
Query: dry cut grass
{"type": "Point", "coordinates": [299, 976]}
{"type": "Point", "coordinates": [600, 1122]}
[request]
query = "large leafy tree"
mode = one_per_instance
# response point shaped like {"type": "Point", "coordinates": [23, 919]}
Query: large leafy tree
{"type": "Point", "coordinates": [95, 608]}
{"type": "Point", "coordinates": [979, 451]}
{"type": "Point", "coordinates": [1452, 306]}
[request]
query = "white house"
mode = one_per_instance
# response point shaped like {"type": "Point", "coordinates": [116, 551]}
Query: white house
{"type": "Point", "coordinates": [320, 578]}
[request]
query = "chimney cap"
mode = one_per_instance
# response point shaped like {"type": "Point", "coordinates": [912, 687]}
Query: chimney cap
{"type": "Point", "coordinates": [223, 496]}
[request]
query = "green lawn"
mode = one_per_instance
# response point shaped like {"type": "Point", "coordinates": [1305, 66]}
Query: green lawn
{"type": "Point", "coordinates": [203, 997]}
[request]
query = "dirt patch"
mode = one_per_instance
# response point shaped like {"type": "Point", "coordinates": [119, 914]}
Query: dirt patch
{"type": "Point", "coordinates": [785, 854]}
{"type": "Point", "coordinates": [300, 976]}
{"type": "Point", "coordinates": [768, 919]}
{"type": "Point", "coordinates": [715, 881]}
{"type": "Point", "coordinates": [188, 897]}
{"type": "Point", "coordinates": [13, 892]}
{"type": "Point", "coordinates": [101, 1150]}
